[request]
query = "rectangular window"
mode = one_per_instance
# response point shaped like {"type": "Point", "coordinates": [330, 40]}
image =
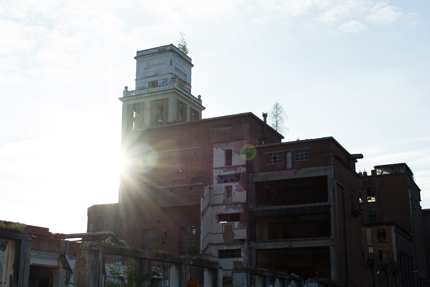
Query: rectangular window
{"type": "Point", "coordinates": [178, 181]}
{"type": "Point", "coordinates": [103, 226]}
{"type": "Point", "coordinates": [302, 154]}
{"type": "Point", "coordinates": [187, 239]}
{"type": "Point", "coordinates": [232, 217]}
{"type": "Point", "coordinates": [383, 254]}
{"type": "Point", "coordinates": [181, 112]}
{"type": "Point", "coordinates": [228, 157]}
{"type": "Point", "coordinates": [371, 195]}
{"type": "Point", "coordinates": [159, 112]}
{"type": "Point", "coordinates": [149, 239]}
{"type": "Point", "coordinates": [191, 190]}
{"type": "Point", "coordinates": [258, 140]}
{"type": "Point", "coordinates": [197, 179]}
{"type": "Point", "coordinates": [229, 253]}
{"type": "Point", "coordinates": [168, 156]}
{"type": "Point", "coordinates": [228, 194]}
{"type": "Point", "coordinates": [117, 226]}
{"type": "Point", "coordinates": [194, 153]}
{"type": "Point", "coordinates": [136, 112]}
{"type": "Point", "coordinates": [181, 155]}
{"type": "Point", "coordinates": [194, 115]}
{"type": "Point", "coordinates": [275, 157]}
{"type": "Point", "coordinates": [382, 234]}
{"type": "Point", "coordinates": [153, 84]}
{"type": "Point", "coordinates": [228, 178]}
{"type": "Point", "coordinates": [170, 192]}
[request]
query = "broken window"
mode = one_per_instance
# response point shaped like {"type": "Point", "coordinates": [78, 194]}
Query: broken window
{"type": "Point", "coordinates": [228, 178]}
{"type": "Point", "coordinates": [153, 84]}
{"type": "Point", "coordinates": [302, 154]}
{"type": "Point", "coordinates": [187, 239]}
{"type": "Point", "coordinates": [382, 234]}
{"type": "Point", "coordinates": [288, 160]}
{"type": "Point", "coordinates": [149, 239]}
{"type": "Point", "coordinates": [228, 157]}
{"type": "Point", "coordinates": [275, 157]}
{"type": "Point", "coordinates": [371, 195]}
{"type": "Point", "coordinates": [383, 254]}
{"type": "Point", "coordinates": [229, 253]}
{"type": "Point", "coordinates": [160, 112]}
{"type": "Point", "coordinates": [232, 217]}
{"type": "Point", "coordinates": [228, 194]}
{"type": "Point", "coordinates": [194, 153]}
{"type": "Point", "coordinates": [181, 155]}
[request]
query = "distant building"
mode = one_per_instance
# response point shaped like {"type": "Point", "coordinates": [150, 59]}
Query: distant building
{"type": "Point", "coordinates": [393, 234]}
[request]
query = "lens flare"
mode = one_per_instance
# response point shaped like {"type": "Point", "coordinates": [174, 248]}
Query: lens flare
{"type": "Point", "coordinates": [248, 152]}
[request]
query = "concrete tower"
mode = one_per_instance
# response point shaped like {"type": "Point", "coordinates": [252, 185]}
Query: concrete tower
{"type": "Point", "coordinates": [162, 93]}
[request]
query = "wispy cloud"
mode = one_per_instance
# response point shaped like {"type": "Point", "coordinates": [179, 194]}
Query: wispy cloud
{"type": "Point", "coordinates": [352, 27]}
{"type": "Point", "coordinates": [383, 14]}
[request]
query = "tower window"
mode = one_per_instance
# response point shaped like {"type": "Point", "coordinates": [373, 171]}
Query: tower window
{"type": "Point", "coordinates": [153, 84]}
{"type": "Point", "coordinates": [228, 157]}
{"type": "Point", "coordinates": [194, 115]}
{"type": "Point", "coordinates": [159, 112]}
{"type": "Point", "coordinates": [182, 111]}
{"type": "Point", "coordinates": [136, 113]}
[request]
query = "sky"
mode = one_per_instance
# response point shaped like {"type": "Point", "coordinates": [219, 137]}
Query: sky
{"type": "Point", "coordinates": [355, 70]}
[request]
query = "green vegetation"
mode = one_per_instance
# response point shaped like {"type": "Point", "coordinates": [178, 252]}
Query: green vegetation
{"type": "Point", "coordinates": [182, 44]}
{"type": "Point", "coordinates": [127, 276]}
{"type": "Point", "coordinates": [12, 227]}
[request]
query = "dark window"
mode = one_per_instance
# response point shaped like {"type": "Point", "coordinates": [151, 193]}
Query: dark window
{"type": "Point", "coordinates": [168, 156]}
{"type": "Point", "coordinates": [228, 157]}
{"type": "Point", "coordinates": [191, 190]}
{"type": "Point", "coordinates": [228, 194]}
{"type": "Point", "coordinates": [153, 84]}
{"type": "Point", "coordinates": [275, 157]}
{"type": "Point", "coordinates": [302, 154]}
{"type": "Point", "coordinates": [182, 111]}
{"type": "Point", "coordinates": [228, 178]}
{"type": "Point", "coordinates": [258, 140]}
{"type": "Point", "coordinates": [222, 218]}
{"type": "Point", "coordinates": [194, 153]}
{"type": "Point", "coordinates": [383, 254]}
{"type": "Point", "coordinates": [194, 115]}
{"type": "Point", "coordinates": [382, 234]}
{"type": "Point", "coordinates": [371, 195]}
{"type": "Point", "coordinates": [181, 155]}
{"type": "Point", "coordinates": [149, 239]}
{"type": "Point", "coordinates": [229, 253]}
{"type": "Point", "coordinates": [160, 112]}
{"type": "Point", "coordinates": [187, 239]}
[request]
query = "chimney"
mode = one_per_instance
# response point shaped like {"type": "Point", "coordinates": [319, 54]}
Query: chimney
{"type": "Point", "coordinates": [265, 128]}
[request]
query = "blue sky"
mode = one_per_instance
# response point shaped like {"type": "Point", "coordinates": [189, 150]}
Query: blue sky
{"type": "Point", "coordinates": [354, 70]}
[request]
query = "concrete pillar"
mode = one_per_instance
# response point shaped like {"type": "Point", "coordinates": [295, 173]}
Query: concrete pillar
{"type": "Point", "coordinates": [219, 277]}
{"type": "Point", "coordinates": [259, 281]}
{"type": "Point", "coordinates": [207, 277]}
{"type": "Point", "coordinates": [240, 279]}
{"type": "Point", "coordinates": [87, 267]}
{"type": "Point", "coordinates": [174, 276]}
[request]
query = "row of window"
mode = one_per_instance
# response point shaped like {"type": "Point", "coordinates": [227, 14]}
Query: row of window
{"type": "Point", "coordinates": [181, 155]}
{"type": "Point", "coordinates": [300, 155]}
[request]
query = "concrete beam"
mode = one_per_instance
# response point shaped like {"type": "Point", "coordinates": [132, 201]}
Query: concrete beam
{"type": "Point", "coordinates": [287, 244]}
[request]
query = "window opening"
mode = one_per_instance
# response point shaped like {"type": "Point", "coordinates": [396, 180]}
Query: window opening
{"type": "Point", "coordinates": [149, 239]}
{"type": "Point", "coordinates": [187, 239]}
{"type": "Point", "coordinates": [153, 84]}
{"type": "Point", "coordinates": [229, 253]}
{"type": "Point", "coordinates": [181, 155]}
{"type": "Point", "coordinates": [275, 157]}
{"type": "Point", "coordinates": [288, 160]}
{"type": "Point", "coordinates": [228, 178]}
{"type": "Point", "coordinates": [302, 154]}
{"type": "Point", "coordinates": [232, 217]}
{"type": "Point", "coordinates": [160, 112]}
{"type": "Point", "coordinates": [382, 234]}
{"type": "Point", "coordinates": [371, 195]}
{"type": "Point", "coordinates": [228, 157]}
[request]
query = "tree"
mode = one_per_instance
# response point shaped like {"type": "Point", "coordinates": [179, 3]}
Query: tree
{"type": "Point", "coordinates": [278, 117]}
{"type": "Point", "coordinates": [182, 44]}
